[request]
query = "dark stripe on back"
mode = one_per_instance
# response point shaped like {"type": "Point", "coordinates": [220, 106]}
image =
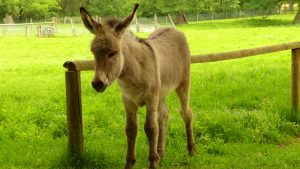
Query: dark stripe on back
{"type": "Point", "coordinates": [164, 31]}
{"type": "Point", "coordinates": [147, 44]}
{"type": "Point", "coordinates": [144, 41]}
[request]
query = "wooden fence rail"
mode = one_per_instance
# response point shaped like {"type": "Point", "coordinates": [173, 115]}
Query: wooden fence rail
{"type": "Point", "coordinates": [73, 83]}
{"type": "Point", "coordinates": [25, 24]}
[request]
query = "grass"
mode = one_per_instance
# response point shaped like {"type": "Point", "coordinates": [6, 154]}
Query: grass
{"type": "Point", "coordinates": [241, 107]}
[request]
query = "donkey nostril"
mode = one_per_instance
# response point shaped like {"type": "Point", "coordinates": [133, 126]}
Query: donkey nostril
{"type": "Point", "coordinates": [100, 85]}
{"type": "Point", "coordinates": [97, 85]}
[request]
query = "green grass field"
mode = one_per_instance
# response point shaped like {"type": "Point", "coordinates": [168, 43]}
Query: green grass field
{"type": "Point", "coordinates": [242, 112]}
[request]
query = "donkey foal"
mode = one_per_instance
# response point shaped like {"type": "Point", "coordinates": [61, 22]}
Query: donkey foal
{"type": "Point", "coordinates": [147, 70]}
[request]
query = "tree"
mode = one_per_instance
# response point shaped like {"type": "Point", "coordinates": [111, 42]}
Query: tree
{"type": "Point", "coordinates": [269, 5]}
{"type": "Point", "coordinates": [297, 17]}
{"type": "Point", "coordinates": [10, 7]}
{"type": "Point", "coordinates": [110, 7]}
{"type": "Point", "coordinates": [228, 5]}
{"type": "Point", "coordinates": [175, 6]}
{"type": "Point", "coordinates": [265, 5]}
{"type": "Point", "coordinates": [121, 8]}
{"type": "Point", "coordinates": [195, 6]}
{"type": "Point", "coordinates": [71, 7]}
{"type": "Point", "coordinates": [149, 8]}
{"type": "Point", "coordinates": [29, 8]}
{"type": "Point", "coordinates": [291, 5]}
{"type": "Point", "coordinates": [38, 8]}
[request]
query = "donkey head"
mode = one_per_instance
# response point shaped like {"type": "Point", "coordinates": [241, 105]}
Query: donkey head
{"type": "Point", "coordinates": [106, 47]}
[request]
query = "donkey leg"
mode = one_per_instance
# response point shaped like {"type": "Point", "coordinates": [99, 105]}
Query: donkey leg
{"type": "Point", "coordinates": [151, 130]}
{"type": "Point", "coordinates": [183, 92]}
{"type": "Point", "coordinates": [131, 131]}
{"type": "Point", "coordinates": [163, 126]}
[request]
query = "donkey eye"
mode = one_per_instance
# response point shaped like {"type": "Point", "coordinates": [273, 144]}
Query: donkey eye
{"type": "Point", "coordinates": [111, 54]}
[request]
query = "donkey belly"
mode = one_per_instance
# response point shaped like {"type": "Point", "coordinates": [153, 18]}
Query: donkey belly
{"type": "Point", "coordinates": [171, 77]}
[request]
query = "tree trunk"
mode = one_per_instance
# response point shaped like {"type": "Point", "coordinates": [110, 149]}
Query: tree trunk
{"type": "Point", "coordinates": [297, 17]}
{"type": "Point", "coordinates": [291, 5]}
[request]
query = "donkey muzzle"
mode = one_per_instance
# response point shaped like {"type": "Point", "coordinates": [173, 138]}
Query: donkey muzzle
{"type": "Point", "coordinates": [99, 86]}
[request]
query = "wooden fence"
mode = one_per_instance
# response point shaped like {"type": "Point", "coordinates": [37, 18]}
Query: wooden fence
{"type": "Point", "coordinates": [6, 27]}
{"type": "Point", "coordinates": [73, 84]}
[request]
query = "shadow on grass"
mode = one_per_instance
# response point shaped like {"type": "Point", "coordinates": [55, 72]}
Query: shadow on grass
{"type": "Point", "coordinates": [259, 22]}
{"type": "Point", "coordinates": [88, 160]}
{"type": "Point", "coordinates": [293, 116]}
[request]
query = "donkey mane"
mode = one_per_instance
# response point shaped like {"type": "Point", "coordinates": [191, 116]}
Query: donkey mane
{"type": "Point", "coordinates": [112, 22]}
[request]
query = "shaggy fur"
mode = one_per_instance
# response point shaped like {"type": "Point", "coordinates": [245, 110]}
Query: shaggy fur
{"type": "Point", "coordinates": [147, 70]}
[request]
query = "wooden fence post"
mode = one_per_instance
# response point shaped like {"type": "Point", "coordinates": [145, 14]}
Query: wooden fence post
{"type": "Point", "coordinates": [26, 30]}
{"type": "Point", "coordinates": [73, 28]}
{"type": "Point", "coordinates": [173, 25]}
{"type": "Point", "coordinates": [39, 30]}
{"type": "Point", "coordinates": [96, 18]}
{"type": "Point", "coordinates": [74, 112]}
{"type": "Point", "coordinates": [155, 22]}
{"type": "Point", "coordinates": [65, 20]}
{"type": "Point", "coordinates": [137, 25]}
{"type": "Point", "coordinates": [166, 20]}
{"type": "Point", "coordinates": [31, 24]}
{"type": "Point", "coordinates": [295, 78]}
{"type": "Point", "coordinates": [54, 20]}
{"type": "Point", "coordinates": [4, 29]}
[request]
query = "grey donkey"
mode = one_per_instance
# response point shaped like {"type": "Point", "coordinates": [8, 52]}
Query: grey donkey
{"type": "Point", "coordinates": [147, 70]}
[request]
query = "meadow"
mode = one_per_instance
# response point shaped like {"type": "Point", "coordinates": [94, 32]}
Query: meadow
{"type": "Point", "coordinates": [242, 109]}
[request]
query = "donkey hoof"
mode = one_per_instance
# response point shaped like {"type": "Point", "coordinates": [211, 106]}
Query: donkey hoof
{"type": "Point", "coordinates": [154, 165]}
{"type": "Point", "coordinates": [129, 165]}
{"type": "Point", "coordinates": [192, 149]}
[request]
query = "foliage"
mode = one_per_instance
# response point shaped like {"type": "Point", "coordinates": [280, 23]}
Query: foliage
{"type": "Point", "coordinates": [48, 8]}
{"type": "Point", "coordinates": [241, 107]}
{"type": "Point", "coordinates": [11, 7]}
{"type": "Point", "coordinates": [220, 6]}
{"type": "Point", "coordinates": [70, 7]}
{"type": "Point", "coordinates": [258, 4]}
{"type": "Point", "coordinates": [30, 8]}
{"type": "Point", "coordinates": [38, 8]}
{"type": "Point", "coordinates": [110, 7]}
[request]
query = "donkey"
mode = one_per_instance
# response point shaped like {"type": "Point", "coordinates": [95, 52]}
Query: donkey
{"type": "Point", "coordinates": [147, 70]}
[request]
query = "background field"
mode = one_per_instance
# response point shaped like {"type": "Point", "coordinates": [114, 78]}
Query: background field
{"type": "Point", "coordinates": [241, 108]}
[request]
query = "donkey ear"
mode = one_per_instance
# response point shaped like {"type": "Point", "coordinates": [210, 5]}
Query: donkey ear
{"type": "Point", "coordinates": [88, 21]}
{"type": "Point", "coordinates": [126, 22]}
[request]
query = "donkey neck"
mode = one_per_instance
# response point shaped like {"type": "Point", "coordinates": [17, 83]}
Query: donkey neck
{"type": "Point", "coordinates": [138, 57]}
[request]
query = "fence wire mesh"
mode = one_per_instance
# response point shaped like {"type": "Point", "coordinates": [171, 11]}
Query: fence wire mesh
{"type": "Point", "coordinates": [73, 26]}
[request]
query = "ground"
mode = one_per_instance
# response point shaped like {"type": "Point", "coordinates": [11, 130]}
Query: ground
{"type": "Point", "coordinates": [242, 116]}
